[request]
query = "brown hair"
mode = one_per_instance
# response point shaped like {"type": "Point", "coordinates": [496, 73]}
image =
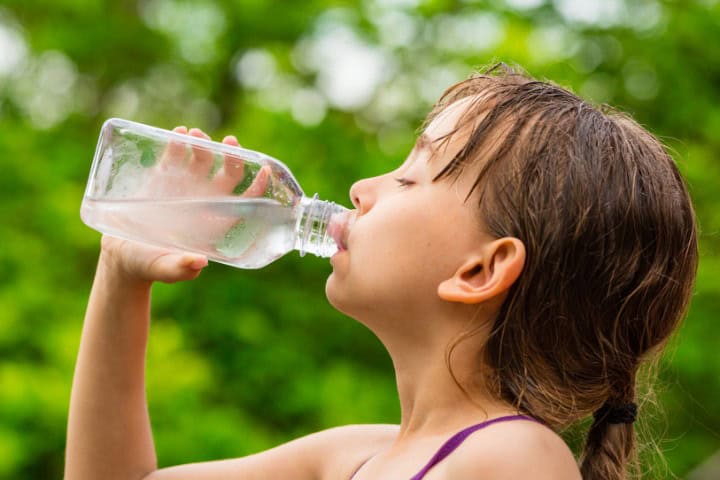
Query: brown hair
{"type": "Point", "coordinates": [611, 250]}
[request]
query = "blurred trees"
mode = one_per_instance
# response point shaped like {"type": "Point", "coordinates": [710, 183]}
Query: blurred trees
{"type": "Point", "coordinates": [335, 89]}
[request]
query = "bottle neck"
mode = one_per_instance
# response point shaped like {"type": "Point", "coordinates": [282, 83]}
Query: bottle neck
{"type": "Point", "coordinates": [311, 228]}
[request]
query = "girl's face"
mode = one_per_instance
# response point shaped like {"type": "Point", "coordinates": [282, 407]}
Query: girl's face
{"type": "Point", "coordinates": [409, 234]}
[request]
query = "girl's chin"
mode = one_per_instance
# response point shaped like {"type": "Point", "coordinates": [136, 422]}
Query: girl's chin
{"type": "Point", "coordinates": [342, 296]}
{"type": "Point", "coordinates": [339, 254]}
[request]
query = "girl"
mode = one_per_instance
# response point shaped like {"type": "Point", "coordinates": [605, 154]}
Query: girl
{"type": "Point", "coordinates": [522, 263]}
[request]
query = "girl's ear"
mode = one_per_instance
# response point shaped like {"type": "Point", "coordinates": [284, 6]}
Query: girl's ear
{"type": "Point", "coordinates": [486, 275]}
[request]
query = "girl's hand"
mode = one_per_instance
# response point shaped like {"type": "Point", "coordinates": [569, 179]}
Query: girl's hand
{"type": "Point", "coordinates": [141, 263]}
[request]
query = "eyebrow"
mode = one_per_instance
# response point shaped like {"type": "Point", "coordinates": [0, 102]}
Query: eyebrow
{"type": "Point", "coordinates": [424, 141]}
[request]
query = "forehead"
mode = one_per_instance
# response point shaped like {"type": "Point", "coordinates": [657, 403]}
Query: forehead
{"type": "Point", "coordinates": [444, 124]}
{"type": "Point", "coordinates": [449, 130]}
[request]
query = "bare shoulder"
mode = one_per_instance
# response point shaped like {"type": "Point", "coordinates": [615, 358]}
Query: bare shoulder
{"type": "Point", "coordinates": [347, 447]}
{"type": "Point", "coordinates": [329, 454]}
{"type": "Point", "coordinates": [511, 450]}
{"type": "Point", "coordinates": [360, 433]}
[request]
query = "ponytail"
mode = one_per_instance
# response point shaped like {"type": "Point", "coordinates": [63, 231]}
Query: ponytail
{"type": "Point", "coordinates": [610, 446]}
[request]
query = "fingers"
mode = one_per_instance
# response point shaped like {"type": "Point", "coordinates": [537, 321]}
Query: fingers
{"type": "Point", "coordinates": [172, 267]}
{"type": "Point", "coordinates": [231, 140]}
{"type": "Point", "coordinates": [201, 161]}
{"type": "Point", "coordinates": [233, 167]}
{"type": "Point", "coordinates": [260, 183]}
{"type": "Point", "coordinates": [193, 262]}
{"type": "Point", "coordinates": [232, 172]}
{"type": "Point", "coordinates": [174, 154]}
{"type": "Point", "coordinates": [201, 164]}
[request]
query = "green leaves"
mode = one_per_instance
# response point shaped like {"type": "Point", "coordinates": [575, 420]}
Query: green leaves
{"type": "Point", "coordinates": [241, 360]}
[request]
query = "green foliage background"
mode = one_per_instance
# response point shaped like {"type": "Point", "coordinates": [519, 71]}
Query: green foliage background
{"type": "Point", "coordinates": [242, 360]}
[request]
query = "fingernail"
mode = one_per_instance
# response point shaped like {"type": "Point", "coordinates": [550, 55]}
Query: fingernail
{"type": "Point", "coordinates": [198, 132]}
{"type": "Point", "coordinates": [195, 263]}
{"type": "Point", "coordinates": [199, 263]}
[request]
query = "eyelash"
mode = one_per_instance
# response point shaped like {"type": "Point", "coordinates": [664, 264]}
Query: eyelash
{"type": "Point", "coordinates": [404, 182]}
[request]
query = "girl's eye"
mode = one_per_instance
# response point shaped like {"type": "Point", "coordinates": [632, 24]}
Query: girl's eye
{"type": "Point", "coordinates": [404, 182]}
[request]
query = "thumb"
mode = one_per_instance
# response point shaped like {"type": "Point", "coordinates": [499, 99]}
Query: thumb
{"type": "Point", "coordinates": [174, 267]}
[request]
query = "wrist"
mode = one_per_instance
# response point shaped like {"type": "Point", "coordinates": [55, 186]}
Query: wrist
{"type": "Point", "coordinates": [112, 268]}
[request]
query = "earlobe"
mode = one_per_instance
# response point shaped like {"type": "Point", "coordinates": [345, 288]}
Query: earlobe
{"type": "Point", "coordinates": [486, 276]}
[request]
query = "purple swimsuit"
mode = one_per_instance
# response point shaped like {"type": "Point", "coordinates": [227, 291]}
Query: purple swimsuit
{"type": "Point", "coordinates": [454, 442]}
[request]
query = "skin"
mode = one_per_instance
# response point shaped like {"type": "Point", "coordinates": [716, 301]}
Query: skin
{"type": "Point", "coordinates": [418, 271]}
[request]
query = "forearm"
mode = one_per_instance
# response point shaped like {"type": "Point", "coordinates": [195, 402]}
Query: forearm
{"type": "Point", "coordinates": [109, 434]}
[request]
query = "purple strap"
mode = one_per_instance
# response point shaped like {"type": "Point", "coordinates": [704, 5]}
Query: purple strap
{"type": "Point", "coordinates": [456, 440]}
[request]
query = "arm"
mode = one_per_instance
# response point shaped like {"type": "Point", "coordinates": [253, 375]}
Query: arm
{"type": "Point", "coordinates": [330, 454]}
{"type": "Point", "coordinates": [109, 432]}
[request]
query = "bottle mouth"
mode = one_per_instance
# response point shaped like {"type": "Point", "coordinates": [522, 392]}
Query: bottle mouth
{"type": "Point", "coordinates": [339, 229]}
{"type": "Point", "coordinates": [321, 227]}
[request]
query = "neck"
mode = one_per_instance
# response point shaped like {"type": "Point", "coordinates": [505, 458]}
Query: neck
{"type": "Point", "coordinates": [440, 394]}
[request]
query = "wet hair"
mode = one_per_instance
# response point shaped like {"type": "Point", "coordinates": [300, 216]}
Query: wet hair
{"type": "Point", "coordinates": [611, 251]}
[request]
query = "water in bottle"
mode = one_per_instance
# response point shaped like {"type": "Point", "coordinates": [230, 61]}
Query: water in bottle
{"type": "Point", "coordinates": [234, 205]}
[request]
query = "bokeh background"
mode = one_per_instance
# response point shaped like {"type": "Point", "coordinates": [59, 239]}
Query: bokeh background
{"type": "Point", "coordinates": [242, 360]}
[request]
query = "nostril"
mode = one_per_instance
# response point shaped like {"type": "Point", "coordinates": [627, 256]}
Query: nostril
{"type": "Point", "coordinates": [355, 193]}
{"type": "Point", "coordinates": [363, 194]}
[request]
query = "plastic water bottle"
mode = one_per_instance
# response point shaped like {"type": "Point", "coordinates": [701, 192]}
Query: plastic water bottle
{"type": "Point", "coordinates": [236, 206]}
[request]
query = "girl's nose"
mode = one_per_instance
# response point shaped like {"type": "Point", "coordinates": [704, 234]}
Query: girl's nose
{"type": "Point", "coordinates": [362, 195]}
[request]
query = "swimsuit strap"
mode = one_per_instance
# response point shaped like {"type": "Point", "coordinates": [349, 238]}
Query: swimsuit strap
{"type": "Point", "coordinates": [456, 440]}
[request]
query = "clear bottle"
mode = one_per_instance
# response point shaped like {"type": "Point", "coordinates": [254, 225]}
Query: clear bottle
{"type": "Point", "coordinates": [236, 206]}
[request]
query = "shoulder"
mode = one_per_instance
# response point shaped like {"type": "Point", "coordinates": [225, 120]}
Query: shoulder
{"type": "Point", "coordinates": [358, 438]}
{"type": "Point", "coordinates": [510, 450]}
{"type": "Point", "coordinates": [358, 435]}
{"type": "Point", "coordinates": [345, 448]}
{"type": "Point", "coordinates": [329, 454]}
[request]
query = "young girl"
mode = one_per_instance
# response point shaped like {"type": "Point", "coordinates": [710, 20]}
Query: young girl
{"type": "Point", "coordinates": [522, 263]}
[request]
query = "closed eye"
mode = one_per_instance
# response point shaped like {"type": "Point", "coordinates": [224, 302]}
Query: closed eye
{"type": "Point", "coordinates": [404, 182]}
